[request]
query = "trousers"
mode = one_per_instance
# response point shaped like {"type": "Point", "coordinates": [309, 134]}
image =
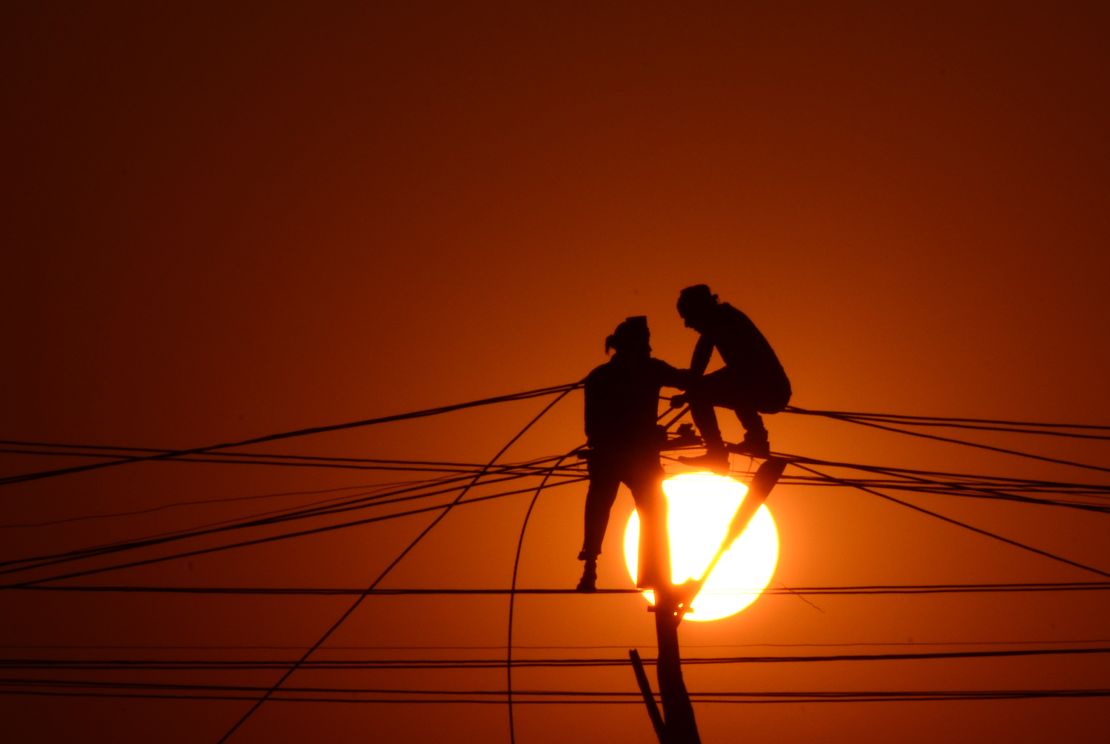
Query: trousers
{"type": "Point", "coordinates": [641, 472]}
{"type": "Point", "coordinates": [746, 395]}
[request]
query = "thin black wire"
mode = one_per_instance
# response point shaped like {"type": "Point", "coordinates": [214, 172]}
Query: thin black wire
{"type": "Point", "coordinates": [974, 480]}
{"type": "Point", "coordinates": [837, 590]}
{"type": "Point", "coordinates": [909, 484]}
{"type": "Point", "coordinates": [949, 488]}
{"type": "Point", "coordinates": [279, 460]}
{"type": "Point", "coordinates": [274, 538]}
{"type": "Point", "coordinates": [955, 489]}
{"type": "Point", "coordinates": [264, 458]}
{"type": "Point", "coordinates": [195, 502]}
{"type": "Point", "coordinates": [357, 503]}
{"type": "Point", "coordinates": [958, 420]}
{"type": "Point", "coordinates": [363, 500]}
{"type": "Point", "coordinates": [369, 498]}
{"type": "Point", "coordinates": [335, 626]}
{"type": "Point", "coordinates": [557, 647]}
{"type": "Point", "coordinates": [904, 502]}
{"type": "Point", "coordinates": [1101, 488]}
{"type": "Point", "coordinates": [534, 693]}
{"type": "Point", "coordinates": [977, 530]}
{"type": "Point", "coordinates": [388, 665]}
{"type": "Point", "coordinates": [513, 593]}
{"type": "Point", "coordinates": [962, 442]}
{"type": "Point", "coordinates": [982, 424]}
{"type": "Point", "coordinates": [171, 454]}
{"type": "Point", "coordinates": [491, 697]}
{"type": "Point", "coordinates": [982, 427]}
{"type": "Point", "coordinates": [516, 566]}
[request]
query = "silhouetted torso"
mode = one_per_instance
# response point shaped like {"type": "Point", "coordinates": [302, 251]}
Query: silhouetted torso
{"type": "Point", "coordinates": [622, 401]}
{"type": "Point", "coordinates": [743, 348]}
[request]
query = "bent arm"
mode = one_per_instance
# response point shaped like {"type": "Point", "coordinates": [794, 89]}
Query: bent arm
{"type": "Point", "coordinates": [669, 376]}
{"type": "Point", "coordinates": [700, 358]}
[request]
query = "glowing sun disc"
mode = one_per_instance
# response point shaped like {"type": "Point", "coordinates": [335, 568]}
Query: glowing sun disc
{"type": "Point", "coordinates": [699, 509]}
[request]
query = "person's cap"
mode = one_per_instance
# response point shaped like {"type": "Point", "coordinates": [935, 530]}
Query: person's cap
{"type": "Point", "coordinates": [631, 330]}
{"type": "Point", "coordinates": [698, 294]}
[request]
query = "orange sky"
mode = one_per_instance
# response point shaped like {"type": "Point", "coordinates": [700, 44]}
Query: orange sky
{"type": "Point", "coordinates": [221, 223]}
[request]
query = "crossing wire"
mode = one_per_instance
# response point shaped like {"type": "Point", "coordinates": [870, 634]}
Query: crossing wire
{"type": "Point", "coordinates": [171, 454]}
{"type": "Point", "coordinates": [513, 592]}
{"type": "Point", "coordinates": [493, 697]}
{"type": "Point", "coordinates": [352, 503]}
{"type": "Point", "coordinates": [952, 440]}
{"type": "Point", "coordinates": [358, 601]}
{"type": "Point", "coordinates": [951, 421]}
{"type": "Point", "coordinates": [964, 525]}
{"type": "Point", "coordinates": [362, 665]}
{"type": "Point", "coordinates": [832, 590]}
{"type": "Point", "coordinates": [301, 432]}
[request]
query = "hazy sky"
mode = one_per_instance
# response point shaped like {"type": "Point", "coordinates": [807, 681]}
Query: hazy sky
{"type": "Point", "coordinates": [223, 222]}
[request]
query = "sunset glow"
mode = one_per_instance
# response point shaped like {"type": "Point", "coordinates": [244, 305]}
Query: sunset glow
{"type": "Point", "coordinates": [700, 507]}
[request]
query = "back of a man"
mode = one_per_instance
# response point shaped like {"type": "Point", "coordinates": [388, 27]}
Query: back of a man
{"type": "Point", "coordinates": [752, 381]}
{"type": "Point", "coordinates": [743, 348]}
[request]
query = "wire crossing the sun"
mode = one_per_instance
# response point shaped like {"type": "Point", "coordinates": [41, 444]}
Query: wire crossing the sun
{"type": "Point", "coordinates": [436, 489]}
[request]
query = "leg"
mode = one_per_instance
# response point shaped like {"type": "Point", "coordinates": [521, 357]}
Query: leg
{"type": "Point", "coordinates": [751, 401]}
{"type": "Point", "coordinates": [746, 396]}
{"type": "Point", "coordinates": [710, 391]}
{"type": "Point", "coordinates": [645, 478]}
{"type": "Point", "coordinates": [702, 400]}
{"type": "Point", "coordinates": [600, 495]}
{"type": "Point", "coordinates": [755, 433]}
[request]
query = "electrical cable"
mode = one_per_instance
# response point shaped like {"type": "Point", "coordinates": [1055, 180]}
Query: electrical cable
{"type": "Point", "coordinates": [513, 593]}
{"type": "Point", "coordinates": [231, 666]}
{"type": "Point", "coordinates": [950, 488]}
{"type": "Point", "coordinates": [948, 419]}
{"type": "Point", "coordinates": [540, 392]}
{"type": "Point", "coordinates": [962, 442]}
{"type": "Point", "coordinates": [335, 626]}
{"type": "Point", "coordinates": [347, 504]}
{"type": "Point", "coordinates": [278, 537]}
{"type": "Point", "coordinates": [838, 590]}
{"type": "Point", "coordinates": [977, 530]}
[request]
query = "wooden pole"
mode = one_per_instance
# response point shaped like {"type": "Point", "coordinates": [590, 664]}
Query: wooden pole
{"type": "Point", "coordinates": [680, 726]}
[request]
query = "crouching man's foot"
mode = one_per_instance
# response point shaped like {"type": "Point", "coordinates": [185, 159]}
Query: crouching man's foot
{"type": "Point", "coordinates": [588, 582]}
{"type": "Point", "coordinates": [715, 459]}
{"type": "Point", "coordinates": [752, 447]}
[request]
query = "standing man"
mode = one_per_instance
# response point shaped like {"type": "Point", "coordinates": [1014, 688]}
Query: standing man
{"type": "Point", "coordinates": [622, 401]}
{"type": "Point", "coordinates": [751, 382]}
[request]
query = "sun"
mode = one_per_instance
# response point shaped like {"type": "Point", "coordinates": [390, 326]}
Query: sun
{"type": "Point", "coordinates": [700, 507]}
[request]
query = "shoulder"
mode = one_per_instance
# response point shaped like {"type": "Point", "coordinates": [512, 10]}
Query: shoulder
{"type": "Point", "coordinates": [729, 310]}
{"type": "Point", "coordinates": [599, 373]}
{"type": "Point", "coordinates": [733, 316]}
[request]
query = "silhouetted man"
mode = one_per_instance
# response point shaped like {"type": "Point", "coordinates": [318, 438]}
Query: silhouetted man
{"type": "Point", "coordinates": [622, 399]}
{"type": "Point", "coordinates": [751, 382]}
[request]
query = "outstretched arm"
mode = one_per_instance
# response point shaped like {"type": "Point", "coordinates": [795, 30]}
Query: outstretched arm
{"type": "Point", "coordinates": [668, 376]}
{"type": "Point", "coordinates": [700, 358]}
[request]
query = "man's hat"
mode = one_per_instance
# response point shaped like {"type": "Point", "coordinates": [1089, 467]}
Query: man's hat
{"type": "Point", "coordinates": [631, 331]}
{"type": "Point", "coordinates": [698, 294]}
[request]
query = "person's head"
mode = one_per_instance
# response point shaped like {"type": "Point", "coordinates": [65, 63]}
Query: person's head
{"type": "Point", "coordinates": [631, 337]}
{"type": "Point", "coordinates": [696, 304]}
